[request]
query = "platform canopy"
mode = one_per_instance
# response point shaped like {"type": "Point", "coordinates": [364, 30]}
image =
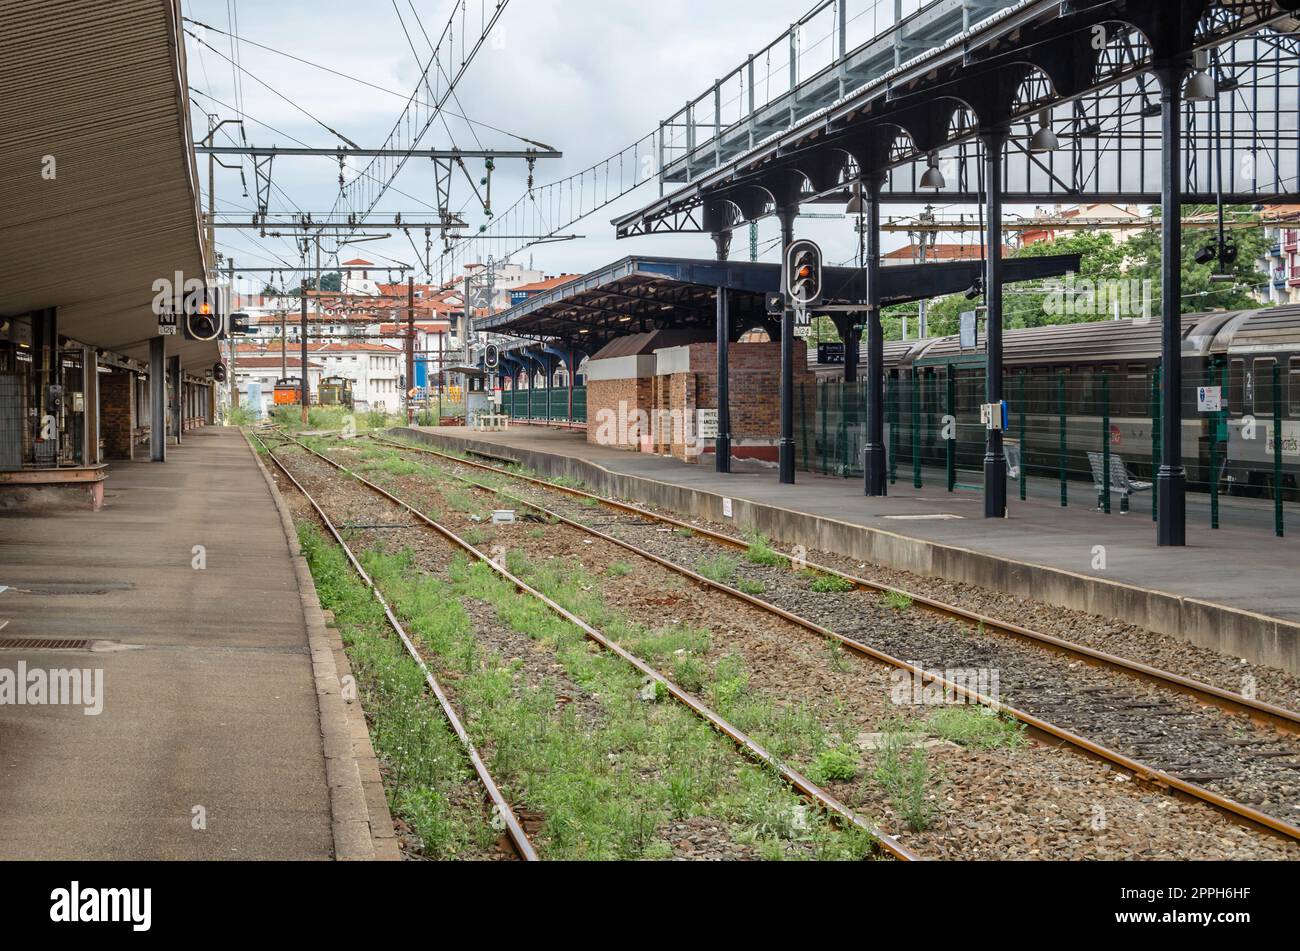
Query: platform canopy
{"type": "Point", "coordinates": [640, 294]}
{"type": "Point", "coordinates": [99, 193]}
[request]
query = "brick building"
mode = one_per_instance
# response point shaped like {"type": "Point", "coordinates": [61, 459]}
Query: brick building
{"type": "Point", "coordinates": [658, 392]}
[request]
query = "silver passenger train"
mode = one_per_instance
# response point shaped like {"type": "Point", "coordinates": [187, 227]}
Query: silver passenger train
{"type": "Point", "coordinates": [1109, 368]}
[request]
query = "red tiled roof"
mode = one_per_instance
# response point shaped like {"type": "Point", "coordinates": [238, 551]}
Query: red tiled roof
{"type": "Point", "coordinates": [358, 262]}
{"type": "Point", "coordinates": [943, 252]}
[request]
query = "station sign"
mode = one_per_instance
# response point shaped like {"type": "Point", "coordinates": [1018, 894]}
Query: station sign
{"type": "Point", "coordinates": [706, 423]}
{"type": "Point", "coordinates": [830, 353]}
{"type": "Point", "coordinates": [802, 324]}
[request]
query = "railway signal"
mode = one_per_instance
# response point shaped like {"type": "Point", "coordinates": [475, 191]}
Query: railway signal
{"type": "Point", "coordinates": [205, 314]}
{"type": "Point", "coordinates": [803, 274]}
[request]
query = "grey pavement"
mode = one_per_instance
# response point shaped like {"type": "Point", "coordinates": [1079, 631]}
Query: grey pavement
{"type": "Point", "coordinates": [209, 693]}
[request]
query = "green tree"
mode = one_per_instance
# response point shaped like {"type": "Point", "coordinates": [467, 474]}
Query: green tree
{"type": "Point", "coordinates": [1199, 293]}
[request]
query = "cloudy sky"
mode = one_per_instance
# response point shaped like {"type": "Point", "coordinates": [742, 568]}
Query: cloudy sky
{"type": "Point", "coordinates": [585, 76]}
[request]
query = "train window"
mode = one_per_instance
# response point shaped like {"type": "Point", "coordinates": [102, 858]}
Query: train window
{"type": "Point", "coordinates": [1293, 387]}
{"type": "Point", "coordinates": [1237, 386]}
{"type": "Point", "coordinates": [1262, 370]}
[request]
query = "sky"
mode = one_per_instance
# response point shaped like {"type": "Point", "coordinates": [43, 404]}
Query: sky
{"type": "Point", "coordinates": [586, 77]}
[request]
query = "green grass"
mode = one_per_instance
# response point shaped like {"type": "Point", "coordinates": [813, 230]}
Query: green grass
{"type": "Point", "coordinates": [619, 569]}
{"type": "Point", "coordinates": [787, 731]}
{"type": "Point", "coordinates": [422, 758]}
{"type": "Point", "coordinates": [898, 601]}
{"type": "Point", "coordinates": [976, 726]}
{"type": "Point", "coordinates": [684, 532]}
{"type": "Point", "coordinates": [240, 416]}
{"type": "Point", "coordinates": [752, 588]}
{"type": "Point", "coordinates": [760, 552]}
{"type": "Point", "coordinates": [839, 764]}
{"type": "Point", "coordinates": [721, 568]}
{"type": "Point", "coordinates": [905, 776]}
{"type": "Point", "coordinates": [830, 584]}
{"type": "Point", "coordinates": [567, 482]}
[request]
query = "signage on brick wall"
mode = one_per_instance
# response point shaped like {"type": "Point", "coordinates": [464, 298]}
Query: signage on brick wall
{"type": "Point", "coordinates": [706, 423]}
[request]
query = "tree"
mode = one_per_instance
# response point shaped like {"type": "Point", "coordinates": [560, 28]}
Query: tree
{"type": "Point", "coordinates": [332, 281]}
{"type": "Point", "coordinates": [1199, 293]}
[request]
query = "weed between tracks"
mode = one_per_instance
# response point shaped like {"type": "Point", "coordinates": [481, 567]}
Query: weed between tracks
{"type": "Point", "coordinates": [427, 771]}
{"type": "Point", "coordinates": [604, 780]}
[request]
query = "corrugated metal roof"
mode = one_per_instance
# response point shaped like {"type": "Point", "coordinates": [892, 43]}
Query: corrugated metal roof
{"type": "Point", "coordinates": [101, 88]}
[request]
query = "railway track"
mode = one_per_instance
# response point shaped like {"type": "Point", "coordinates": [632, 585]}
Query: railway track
{"type": "Point", "coordinates": [519, 841]}
{"type": "Point", "coordinates": [838, 811]}
{"type": "Point", "coordinates": [1237, 754]}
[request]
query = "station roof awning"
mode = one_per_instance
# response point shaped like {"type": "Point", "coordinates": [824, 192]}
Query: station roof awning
{"type": "Point", "coordinates": [640, 294]}
{"type": "Point", "coordinates": [99, 194]}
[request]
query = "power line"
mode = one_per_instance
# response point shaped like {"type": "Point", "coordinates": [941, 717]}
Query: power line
{"type": "Point", "coordinates": [365, 82]}
{"type": "Point", "coordinates": [324, 125]}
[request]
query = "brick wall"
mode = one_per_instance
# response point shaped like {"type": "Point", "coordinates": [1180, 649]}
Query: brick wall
{"type": "Point", "coordinates": [614, 411]}
{"type": "Point", "coordinates": [117, 414]}
{"type": "Point", "coordinates": [755, 378]}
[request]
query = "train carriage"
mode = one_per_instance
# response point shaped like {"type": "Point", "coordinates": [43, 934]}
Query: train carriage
{"type": "Point", "coordinates": [1110, 368]}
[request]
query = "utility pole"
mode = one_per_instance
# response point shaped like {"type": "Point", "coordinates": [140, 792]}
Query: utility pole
{"type": "Point", "coordinates": [410, 350]}
{"type": "Point", "coordinates": [212, 186]}
{"type": "Point", "coordinates": [234, 343]}
{"type": "Point", "coordinates": [306, 387]}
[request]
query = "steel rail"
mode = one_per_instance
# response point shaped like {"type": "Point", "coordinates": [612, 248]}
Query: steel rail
{"type": "Point", "coordinates": [1042, 727]}
{"type": "Point", "coordinates": [1272, 715]}
{"type": "Point", "coordinates": [514, 828]}
{"type": "Point", "coordinates": [796, 780]}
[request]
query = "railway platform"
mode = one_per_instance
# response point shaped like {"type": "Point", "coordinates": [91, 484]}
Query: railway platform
{"type": "Point", "coordinates": [221, 730]}
{"type": "Point", "coordinates": [1231, 590]}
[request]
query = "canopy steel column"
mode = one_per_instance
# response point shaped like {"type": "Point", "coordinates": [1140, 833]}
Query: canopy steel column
{"type": "Point", "coordinates": [995, 463]}
{"type": "Point", "coordinates": [722, 444]}
{"type": "Point", "coordinates": [177, 398]}
{"type": "Point", "coordinates": [158, 399]}
{"type": "Point", "coordinates": [1171, 480]}
{"type": "Point", "coordinates": [874, 461]}
{"type": "Point", "coordinates": [787, 216]}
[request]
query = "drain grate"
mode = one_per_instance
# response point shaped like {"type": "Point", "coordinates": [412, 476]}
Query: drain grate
{"type": "Point", "coordinates": [42, 643]}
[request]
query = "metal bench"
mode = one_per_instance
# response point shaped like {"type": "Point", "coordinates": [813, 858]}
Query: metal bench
{"type": "Point", "coordinates": [491, 422]}
{"type": "Point", "coordinates": [1120, 480]}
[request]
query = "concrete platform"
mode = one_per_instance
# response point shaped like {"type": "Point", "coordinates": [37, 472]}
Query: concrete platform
{"type": "Point", "coordinates": [216, 690]}
{"type": "Point", "coordinates": [1236, 590]}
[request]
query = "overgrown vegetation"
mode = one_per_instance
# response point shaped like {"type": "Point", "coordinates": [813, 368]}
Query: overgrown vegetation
{"type": "Point", "coordinates": [897, 600]}
{"type": "Point", "coordinates": [422, 758]}
{"type": "Point", "coordinates": [976, 726]}
{"type": "Point", "coordinates": [761, 552]}
{"type": "Point", "coordinates": [829, 584]}
{"type": "Point", "coordinates": [721, 568]}
{"type": "Point", "coordinates": [904, 773]}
